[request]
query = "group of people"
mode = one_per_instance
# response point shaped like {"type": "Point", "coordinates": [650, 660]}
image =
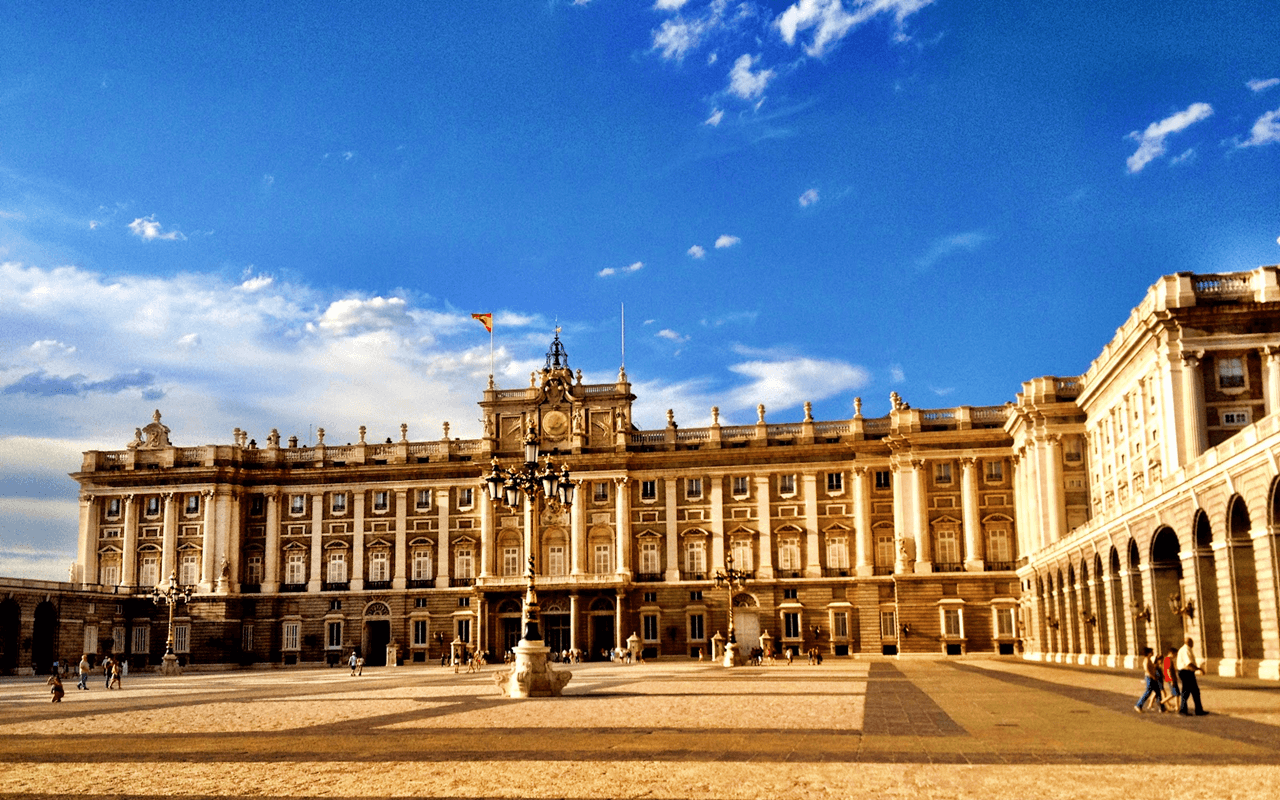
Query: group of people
{"type": "Point", "coordinates": [1177, 668]}
{"type": "Point", "coordinates": [112, 669]}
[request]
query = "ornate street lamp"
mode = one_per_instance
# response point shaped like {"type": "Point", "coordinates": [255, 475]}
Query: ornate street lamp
{"type": "Point", "coordinates": [170, 592]}
{"type": "Point", "coordinates": [531, 487]}
{"type": "Point", "coordinates": [735, 580]}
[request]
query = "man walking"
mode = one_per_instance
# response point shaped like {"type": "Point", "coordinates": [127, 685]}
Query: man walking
{"type": "Point", "coordinates": [84, 672]}
{"type": "Point", "coordinates": [1187, 669]}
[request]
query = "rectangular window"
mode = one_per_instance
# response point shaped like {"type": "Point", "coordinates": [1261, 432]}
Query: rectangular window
{"type": "Point", "coordinates": [790, 625]}
{"type": "Point", "coordinates": [295, 567]}
{"type": "Point", "coordinates": [510, 561]}
{"type": "Point", "coordinates": [835, 482]}
{"type": "Point", "coordinates": [648, 490]}
{"type": "Point", "coordinates": [1230, 373]}
{"type": "Point", "coordinates": [884, 550]}
{"type": "Point", "coordinates": [246, 637]}
{"type": "Point", "coordinates": [297, 504]}
{"type": "Point", "coordinates": [109, 574]}
{"type": "Point", "coordinates": [379, 565]}
{"type": "Point", "coordinates": [91, 639]}
{"type": "Point", "coordinates": [951, 624]}
{"type": "Point", "coordinates": [466, 498]}
{"type": "Point", "coordinates": [149, 571]}
{"type": "Point", "coordinates": [786, 484]}
{"type": "Point", "coordinates": [600, 492]}
{"type": "Point", "coordinates": [117, 639]}
{"type": "Point", "coordinates": [141, 639]}
{"type": "Point", "coordinates": [789, 555]}
{"type": "Point", "coordinates": [697, 630]}
{"type": "Point", "coordinates": [339, 503]}
{"type": "Point", "coordinates": [888, 625]}
{"type": "Point", "coordinates": [948, 547]}
{"type": "Point", "coordinates": [289, 638]}
{"type": "Point", "coordinates": [942, 473]}
{"type": "Point", "coordinates": [556, 561]}
{"type": "Point", "coordinates": [695, 557]}
{"type": "Point", "coordinates": [422, 499]}
{"type": "Point", "coordinates": [381, 501]}
{"type": "Point", "coordinates": [649, 558]}
{"type": "Point", "coordinates": [257, 505]}
{"type": "Point", "coordinates": [153, 506]}
{"type": "Point", "coordinates": [840, 625]}
{"type": "Point", "coordinates": [790, 594]}
{"type": "Point", "coordinates": [741, 486]}
{"type": "Point", "coordinates": [693, 488]}
{"type": "Point", "coordinates": [999, 546]}
{"type": "Point", "coordinates": [695, 596]}
{"type": "Point", "coordinates": [463, 627]}
{"type": "Point", "coordinates": [462, 564]}
{"type": "Point", "coordinates": [994, 471]}
{"type": "Point", "coordinates": [193, 505]}
{"type": "Point", "coordinates": [649, 627]}
{"type": "Point", "coordinates": [651, 597]}
{"type": "Point", "coordinates": [182, 638]}
{"type": "Point", "coordinates": [740, 551]}
{"type": "Point", "coordinates": [838, 552]}
{"type": "Point", "coordinates": [189, 570]}
{"type": "Point", "coordinates": [883, 480]}
{"type": "Point", "coordinates": [420, 632]}
{"type": "Point", "coordinates": [602, 561]}
{"type": "Point", "coordinates": [113, 507]}
{"type": "Point", "coordinates": [1004, 623]}
{"type": "Point", "coordinates": [253, 569]}
{"type": "Point", "coordinates": [1235, 418]}
{"type": "Point", "coordinates": [337, 567]}
{"type": "Point", "coordinates": [422, 564]}
{"type": "Point", "coordinates": [333, 640]}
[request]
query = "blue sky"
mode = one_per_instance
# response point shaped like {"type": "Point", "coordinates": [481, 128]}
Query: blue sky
{"type": "Point", "coordinates": [283, 216]}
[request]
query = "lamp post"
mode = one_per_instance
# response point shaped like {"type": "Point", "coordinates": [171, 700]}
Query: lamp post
{"type": "Point", "coordinates": [735, 580]}
{"type": "Point", "coordinates": [170, 592]}
{"type": "Point", "coordinates": [531, 487]}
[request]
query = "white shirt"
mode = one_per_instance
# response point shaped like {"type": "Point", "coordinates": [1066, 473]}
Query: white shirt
{"type": "Point", "coordinates": [1186, 661]}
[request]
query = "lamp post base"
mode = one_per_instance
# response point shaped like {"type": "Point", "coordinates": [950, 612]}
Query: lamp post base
{"type": "Point", "coordinates": [731, 655]}
{"type": "Point", "coordinates": [531, 675]}
{"type": "Point", "coordinates": [169, 665]}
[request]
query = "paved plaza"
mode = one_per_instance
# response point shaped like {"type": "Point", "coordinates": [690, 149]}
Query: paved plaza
{"type": "Point", "coordinates": [983, 728]}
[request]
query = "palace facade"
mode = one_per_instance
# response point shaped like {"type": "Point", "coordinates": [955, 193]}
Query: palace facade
{"type": "Point", "coordinates": [1087, 518]}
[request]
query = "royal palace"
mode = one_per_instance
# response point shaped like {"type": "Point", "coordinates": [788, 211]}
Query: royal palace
{"type": "Point", "coordinates": [1088, 517]}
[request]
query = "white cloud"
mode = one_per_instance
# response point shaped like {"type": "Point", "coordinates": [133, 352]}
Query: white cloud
{"type": "Point", "coordinates": [49, 348]}
{"type": "Point", "coordinates": [714, 119]}
{"type": "Point", "coordinates": [1186, 155]}
{"type": "Point", "coordinates": [832, 22]}
{"type": "Point", "coordinates": [747, 84]}
{"type": "Point", "coordinates": [698, 251]}
{"type": "Point", "coordinates": [671, 336]}
{"type": "Point", "coordinates": [1266, 130]}
{"type": "Point", "coordinates": [956, 243]}
{"type": "Point", "coordinates": [148, 230]}
{"type": "Point", "coordinates": [1261, 85]}
{"type": "Point", "coordinates": [712, 57]}
{"type": "Point", "coordinates": [896, 375]}
{"type": "Point", "coordinates": [256, 283]}
{"type": "Point", "coordinates": [669, 5]}
{"type": "Point", "coordinates": [268, 181]}
{"type": "Point", "coordinates": [725, 240]}
{"type": "Point", "coordinates": [607, 271]}
{"type": "Point", "coordinates": [189, 342]}
{"type": "Point", "coordinates": [1151, 141]}
{"type": "Point", "coordinates": [808, 198]}
{"type": "Point", "coordinates": [785, 384]}
{"type": "Point", "coordinates": [344, 316]}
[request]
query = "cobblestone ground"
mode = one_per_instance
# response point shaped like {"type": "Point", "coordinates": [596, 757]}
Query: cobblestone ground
{"type": "Point", "coordinates": [978, 728]}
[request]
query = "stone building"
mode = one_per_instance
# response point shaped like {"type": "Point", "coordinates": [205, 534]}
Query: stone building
{"type": "Point", "coordinates": [1087, 518]}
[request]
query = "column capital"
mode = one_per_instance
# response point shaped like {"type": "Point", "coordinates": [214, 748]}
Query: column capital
{"type": "Point", "coordinates": [968, 462]}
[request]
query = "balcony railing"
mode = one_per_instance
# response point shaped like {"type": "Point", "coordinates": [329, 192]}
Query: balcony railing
{"type": "Point", "coordinates": [999, 566]}
{"type": "Point", "coordinates": [882, 569]}
{"type": "Point", "coordinates": [948, 566]}
{"type": "Point", "coordinates": [455, 582]}
{"type": "Point", "coordinates": [293, 587]}
{"type": "Point", "coordinates": [421, 583]}
{"type": "Point", "coordinates": [377, 586]}
{"type": "Point", "coordinates": [836, 572]}
{"type": "Point", "coordinates": [790, 573]}
{"type": "Point", "coordinates": [335, 586]}
{"type": "Point", "coordinates": [685, 575]}
{"type": "Point", "coordinates": [648, 577]}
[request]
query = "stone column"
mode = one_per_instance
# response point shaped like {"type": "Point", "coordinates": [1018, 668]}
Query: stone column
{"type": "Point", "coordinates": [1268, 605]}
{"type": "Point", "coordinates": [764, 520]}
{"type": "Point", "coordinates": [1271, 378]}
{"type": "Point", "coordinates": [618, 637]}
{"type": "Point", "coordinates": [90, 511]}
{"type": "Point", "coordinates": [356, 575]}
{"type": "Point", "coordinates": [222, 536]}
{"type": "Point", "coordinates": [813, 540]}
{"type": "Point", "coordinates": [578, 564]}
{"type": "Point", "coordinates": [402, 538]}
{"type": "Point", "coordinates": [1193, 407]}
{"type": "Point", "coordinates": [1023, 541]}
{"type": "Point", "coordinates": [1128, 627]}
{"type": "Point", "coordinates": [1055, 490]}
{"type": "Point", "coordinates": [673, 530]}
{"type": "Point", "coordinates": [973, 549]}
{"type": "Point", "coordinates": [1115, 627]}
{"type": "Point", "coordinates": [864, 545]}
{"type": "Point", "coordinates": [271, 556]}
{"type": "Point", "coordinates": [488, 534]}
{"type": "Point", "coordinates": [715, 484]}
{"type": "Point", "coordinates": [317, 551]}
{"type": "Point", "coordinates": [1227, 610]}
{"type": "Point", "coordinates": [208, 543]}
{"type": "Point", "coordinates": [573, 621]}
{"type": "Point", "coordinates": [622, 525]}
{"type": "Point", "coordinates": [444, 497]}
{"type": "Point", "coordinates": [129, 558]}
{"type": "Point", "coordinates": [920, 507]}
{"type": "Point", "coordinates": [169, 542]}
{"type": "Point", "coordinates": [902, 485]}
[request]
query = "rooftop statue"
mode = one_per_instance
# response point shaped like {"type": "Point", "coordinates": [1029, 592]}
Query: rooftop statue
{"type": "Point", "coordinates": [153, 437]}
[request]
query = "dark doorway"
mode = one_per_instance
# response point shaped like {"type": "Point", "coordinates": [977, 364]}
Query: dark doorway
{"type": "Point", "coordinates": [378, 636]}
{"type": "Point", "coordinates": [10, 630]}
{"type": "Point", "coordinates": [511, 633]}
{"type": "Point", "coordinates": [555, 630]}
{"type": "Point", "coordinates": [44, 637]}
{"type": "Point", "coordinates": [601, 635]}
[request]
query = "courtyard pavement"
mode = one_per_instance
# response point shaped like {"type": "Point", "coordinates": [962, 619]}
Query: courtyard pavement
{"type": "Point", "coordinates": [984, 728]}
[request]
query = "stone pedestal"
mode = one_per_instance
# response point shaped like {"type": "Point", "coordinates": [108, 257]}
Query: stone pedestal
{"type": "Point", "coordinates": [731, 658]}
{"type": "Point", "coordinates": [531, 675]}
{"type": "Point", "coordinates": [169, 665]}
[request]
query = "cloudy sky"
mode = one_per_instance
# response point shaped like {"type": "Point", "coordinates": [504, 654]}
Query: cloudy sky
{"type": "Point", "coordinates": [284, 215]}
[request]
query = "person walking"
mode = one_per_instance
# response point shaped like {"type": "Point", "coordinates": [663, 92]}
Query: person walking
{"type": "Point", "coordinates": [83, 669]}
{"type": "Point", "coordinates": [1169, 669]}
{"type": "Point", "coordinates": [352, 662]}
{"type": "Point", "coordinates": [1187, 669]}
{"type": "Point", "coordinates": [116, 671]}
{"type": "Point", "coordinates": [1152, 670]}
{"type": "Point", "coordinates": [106, 669]}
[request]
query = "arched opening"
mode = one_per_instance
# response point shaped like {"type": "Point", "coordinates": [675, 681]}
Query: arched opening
{"type": "Point", "coordinates": [1166, 586]}
{"type": "Point", "coordinates": [377, 634]}
{"type": "Point", "coordinates": [509, 628]}
{"type": "Point", "coordinates": [44, 637]}
{"type": "Point", "coordinates": [1072, 617]}
{"type": "Point", "coordinates": [603, 634]}
{"type": "Point", "coordinates": [1100, 607]}
{"type": "Point", "coordinates": [1060, 615]}
{"type": "Point", "coordinates": [1273, 525]}
{"type": "Point", "coordinates": [10, 635]}
{"type": "Point", "coordinates": [1244, 579]}
{"type": "Point", "coordinates": [1140, 611]}
{"type": "Point", "coordinates": [1206, 578]}
{"type": "Point", "coordinates": [1088, 619]}
{"type": "Point", "coordinates": [1117, 605]}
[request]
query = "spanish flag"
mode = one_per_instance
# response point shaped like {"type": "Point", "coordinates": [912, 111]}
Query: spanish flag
{"type": "Point", "coordinates": [486, 320]}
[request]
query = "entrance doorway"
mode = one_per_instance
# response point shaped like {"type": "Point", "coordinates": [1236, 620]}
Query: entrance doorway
{"type": "Point", "coordinates": [601, 635]}
{"type": "Point", "coordinates": [511, 633]}
{"type": "Point", "coordinates": [555, 630]}
{"type": "Point", "coordinates": [10, 628]}
{"type": "Point", "coordinates": [377, 635]}
{"type": "Point", "coordinates": [44, 638]}
{"type": "Point", "coordinates": [746, 625]}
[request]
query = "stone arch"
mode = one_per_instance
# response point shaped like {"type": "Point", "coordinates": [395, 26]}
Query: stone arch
{"type": "Point", "coordinates": [1206, 582]}
{"type": "Point", "coordinates": [1166, 588]}
{"type": "Point", "coordinates": [1139, 609]}
{"type": "Point", "coordinates": [1273, 543]}
{"type": "Point", "coordinates": [1100, 607]}
{"type": "Point", "coordinates": [509, 606]}
{"type": "Point", "coordinates": [510, 564]}
{"type": "Point", "coordinates": [1059, 611]}
{"type": "Point", "coordinates": [601, 604]}
{"type": "Point", "coordinates": [1244, 579]}
{"type": "Point", "coordinates": [1118, 612]}
{"type": "Point", "coordinates": [1071, 616]}
{"type": "Point", "coordinates": [556, 537]}
{"type": "Point", "coordinates": [745, 600]}
{"type": "Point", "coordinates": [377, 608]}
{"type": "Point", "coordinates": [10, 635]}
{"type": "Point", "coordinates": [1088, 619]}
{"type": "Point", "coordinates": [44, 637]}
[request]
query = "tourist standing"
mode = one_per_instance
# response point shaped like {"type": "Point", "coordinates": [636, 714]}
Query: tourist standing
{"type": "Point", "coordinates": [1187, 669]}
{"type": "Point", "coordinates": [1152, 670]}
{"type": "Point", "coordinates": [83, 669]}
